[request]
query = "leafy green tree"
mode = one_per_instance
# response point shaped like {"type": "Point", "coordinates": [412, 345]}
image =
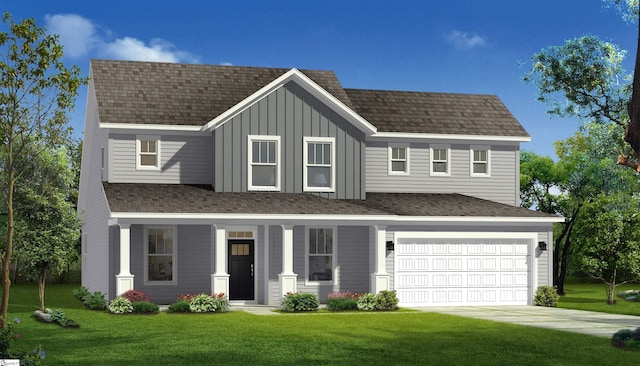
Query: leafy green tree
{"type": "Point", "coordinates": [36, 93]}
{"type": "Point", "coordinates": [608, 240]}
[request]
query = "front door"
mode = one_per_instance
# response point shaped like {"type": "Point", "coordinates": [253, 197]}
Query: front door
{"type": "Point", "coordinates": [241, 269]}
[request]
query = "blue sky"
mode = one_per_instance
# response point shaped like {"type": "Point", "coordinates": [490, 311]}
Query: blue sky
{"type": "Point", "coordinates": [462, 46]}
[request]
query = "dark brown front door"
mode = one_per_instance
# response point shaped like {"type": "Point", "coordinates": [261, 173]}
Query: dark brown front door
{"type": "Point", "coordinates": [241, 269]}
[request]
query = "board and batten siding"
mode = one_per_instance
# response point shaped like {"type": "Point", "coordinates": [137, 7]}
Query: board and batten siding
{"type": "Point", "coordinates": [291, 113]}
{"type": "Point", "coordinates": [183, 160]}
{"type": "Point", "coordinates": [501, 186]}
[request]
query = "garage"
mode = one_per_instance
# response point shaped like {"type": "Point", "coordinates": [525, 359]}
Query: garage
{"type": "Point", "coordinates": [431, 271]}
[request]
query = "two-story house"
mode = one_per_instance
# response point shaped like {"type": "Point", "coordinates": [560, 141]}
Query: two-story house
{"type": "Point", "coordinates": [256, 182]}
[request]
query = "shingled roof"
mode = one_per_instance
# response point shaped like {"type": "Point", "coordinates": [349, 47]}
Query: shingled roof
{"type": "Point", "coordinates": [436, 113]}
{"type": "Point", "coordinates": [191, 94]}
{"type": "Point", "coordinates": [183, 94]}
{"type": "Point", "coordinates": [179, 199]}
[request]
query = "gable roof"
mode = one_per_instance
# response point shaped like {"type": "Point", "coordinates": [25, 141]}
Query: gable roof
{"type": "Point", "coordinates": [184, 94]}
{"type": "Point", "coordinates": [436, 113]}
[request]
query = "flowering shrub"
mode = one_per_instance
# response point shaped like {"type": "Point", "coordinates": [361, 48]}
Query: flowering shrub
{"type": "Point", "coordinates": [202, 303]}
{"type": "Point", "coordinates": [367, 301]}
{"type": "Point", "coordinates": [299, 301]}
{"type": "Point", "coordinates": [34, 358]}
{"type": "Point", "coordinates": [136, 296]}
{"type": "Point", "coordinates": [120, 305]}
{"type": "Point", "coordinates": [220, 302]}
{"type": "Point", "coordinates": [340, 301]}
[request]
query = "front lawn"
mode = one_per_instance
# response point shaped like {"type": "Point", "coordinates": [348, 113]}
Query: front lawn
{"type": "Point", "coordinates": [589, 295]}
{"type": "Point", "coordinates": [237, 338]}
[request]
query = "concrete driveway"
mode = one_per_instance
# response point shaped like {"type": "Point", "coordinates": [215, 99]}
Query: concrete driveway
{"type": "Point", "coordinates": [577, 321]}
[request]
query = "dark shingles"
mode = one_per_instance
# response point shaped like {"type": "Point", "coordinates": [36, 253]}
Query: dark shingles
{"type": "Point", "coordinates": [437, 113]}
{"type": "Point", "coordinates": [183, 94]}
{"type": "Point", "coordinates": [178, 199]}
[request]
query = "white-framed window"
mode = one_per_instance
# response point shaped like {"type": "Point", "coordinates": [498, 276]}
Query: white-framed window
{"type": "Point", "coordinates": [160, 255]}
{"type": "Point", "coordinates": [398, 159]}
{"type": "Point", "coordinates": [321, 255]}
{"type": "Point", "coordinates": [264, 163]}
{"type": "Point", "coordinates": [480, 161]}
{"type": "Point", "coordinates": [148, 152]}
{"type": "Point", "coordinates": [319, 164]}
{"type": "Point", "coordinates": [440, 160]}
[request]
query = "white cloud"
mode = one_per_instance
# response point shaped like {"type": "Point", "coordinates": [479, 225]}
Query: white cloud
{"type": "Point", "coordinates": [464, 40]}
{"type": "Point", "coordinates": [79, 37]}
{"type": "Point", "coordinates": [225, 63]}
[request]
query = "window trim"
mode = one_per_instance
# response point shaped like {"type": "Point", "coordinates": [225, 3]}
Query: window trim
{"type": "Point", "coordinates": [139, 139]}
{"type": "Point", "coordinates": [474, 148]}
{"type": "Point", "coordinates": [390, 159]}
{"type": "Point", "coordinates": [250, 140]}
{"type": "Point", "coordinates": [334, 255]}
{"type": "Point", "coordinates": [305, 152]}
{"type": "Point", "coordinates": [174, 265]}
{"type": "Point", "coordinates": [448, 161]}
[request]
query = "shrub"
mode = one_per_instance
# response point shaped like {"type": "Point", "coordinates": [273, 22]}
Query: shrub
{"type": "Point", "coordinates": [220, 302]}
{"type": "Point", "coordinates": [80, 293]}
{"type": "Point", "coordinates": [95, 301]}
{"type": "Point", "coordinates": [367, 301]}
{"type": "Point", "coordinates": [145, 307]}
{"type": "Point", "coordinates": [546, 296]}
{"type": "Point", "coordinates": [136, 296]}
{"type": "Point", "coordinates": [58, 316]}
{"type": "Point", "coordinates": [299, 301]}
{"type": "Point", "coordinates": [180, 306]}
{"type": "Point", "coordinates": [120, 305]}
{"type": "Point", "coordinates": [202, 303]}
{"type": "Point", "coordinates": [340, 301]}
{"type": "Point", "coordinates": [386, 300]}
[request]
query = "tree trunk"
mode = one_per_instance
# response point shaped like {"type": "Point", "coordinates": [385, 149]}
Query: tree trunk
{"type": "Point", "coordinates": [561, 254]}
{"type": "Point", "coordinates": [632, 133]}
{"type": "Point", "coordinates": [6, 259]}
{"type": "Point", "coordinates": [41, 280]}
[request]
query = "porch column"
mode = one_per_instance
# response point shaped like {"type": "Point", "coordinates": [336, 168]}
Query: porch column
{"type": "Point", "coordinates": [220, 276]}
{"type": "Point", "coordinates": [287, 278]}
{"type": "Point", "coordinates": [124, 279]}
{"type": "Point", "coordinates": [380, 280]}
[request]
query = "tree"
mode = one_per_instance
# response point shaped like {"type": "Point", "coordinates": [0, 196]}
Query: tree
{"type": "Point", "coordinates": [36, 93]}
{"type": "Point", "coordinates": [47, 223]}
{"type": "Point", "coordinates": [608, 238]}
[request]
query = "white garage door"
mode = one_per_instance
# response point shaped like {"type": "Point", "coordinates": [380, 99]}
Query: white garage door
{"type": "Point", "coordinates": [446, 272]}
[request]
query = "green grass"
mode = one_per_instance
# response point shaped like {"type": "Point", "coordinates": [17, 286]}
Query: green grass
{"type": "Point", "coordinates": [588, 295]}
{"type": "Point", "coordinates": [237, 338]}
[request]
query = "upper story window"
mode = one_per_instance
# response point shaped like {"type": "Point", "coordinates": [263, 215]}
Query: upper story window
{"type": "Point", "coordinates": [160, 255]}
{"type": "Point", "coordinates": [480, 157]}
{"type": "Point", "coordinates": [320, 254]}
{"type": "Point", "coordinates": [148, 152]}
{"type": "Point", "coordinates": [440, 160]}
{"type": "Point", "coordinates": [398, 160]}
{"type": "Point", "coordinates": [264, 163]}
{"type": "Point", "coordinates": [319, 164]}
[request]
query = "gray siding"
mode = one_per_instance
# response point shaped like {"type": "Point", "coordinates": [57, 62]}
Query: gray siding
{"type": "Point", "coordinates": [275, 263]}
{"type": "Point", "coordinates": [184, 160]}
{"type": "Point", "coordinates": [291, 113]}
{"type": "Point", "coordinates": [500, 186]}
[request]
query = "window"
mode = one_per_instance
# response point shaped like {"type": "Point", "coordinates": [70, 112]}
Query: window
{"type": "Point", "coordinates": [480, 161]}
{"type": "Point", "coordinates": [148, 152]}
{"type": "Point", "coordinates": [319, 170]}
{"type": "Point", "coordinates": [440, 160]}
{"type": "Point", "coordinates": [320, 253]}
{"type": "Point", "coordinates": [398, 160]}
{"type": "Point", "coordinates": [264, 163]}
{"type": "Point", "coordinates": [160, 255]}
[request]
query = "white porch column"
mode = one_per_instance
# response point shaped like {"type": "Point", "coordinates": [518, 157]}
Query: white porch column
{"type": "Point", "coordinates": [380, 280]}
{"type": "Point", "coordinates": [288, 278]}
{"type": "Point", "coordinates": [124, 279]}
{"type": "Point", "coordinates": [220, 277]}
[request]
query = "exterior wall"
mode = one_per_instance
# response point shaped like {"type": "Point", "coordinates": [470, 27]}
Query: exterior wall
{"type": "Point", "coordinates": [291, 113]}
{"type": "Point", "coordinates": [183, 160]}
{"type": "Point", "coordinates": [92, 205]}
{"type": "Point", "coordinates": [501, 186]}
{"type": "Point", "coordinates": [275, 264]}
